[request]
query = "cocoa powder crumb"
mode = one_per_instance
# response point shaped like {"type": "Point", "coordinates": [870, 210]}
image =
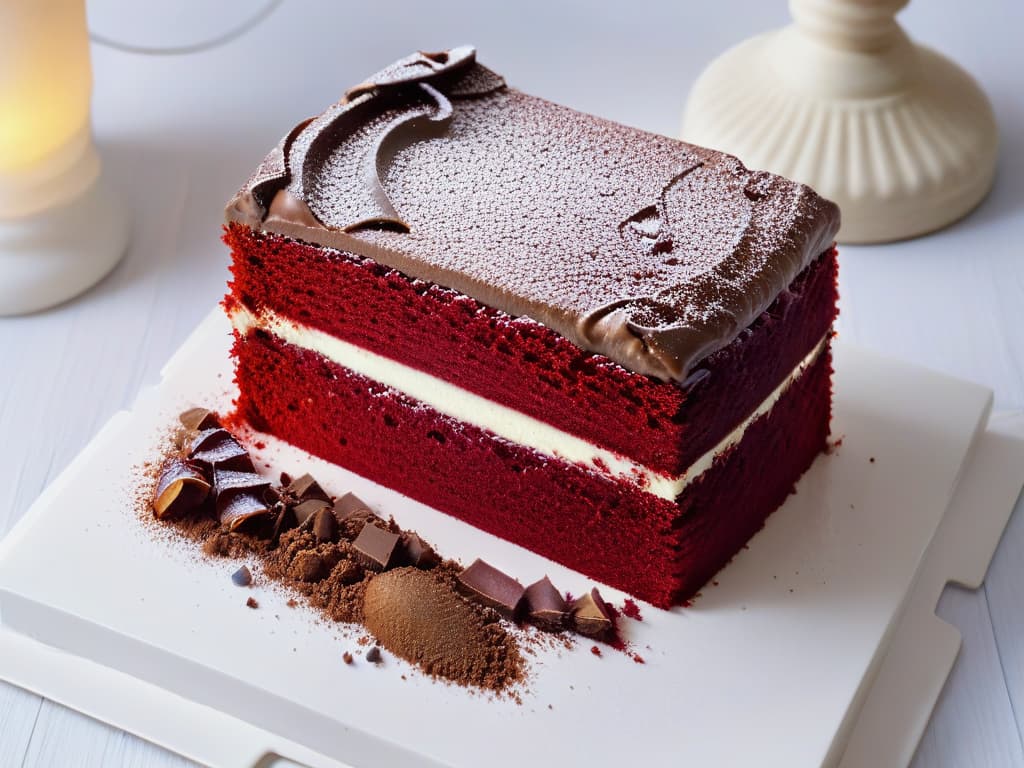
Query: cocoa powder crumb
{"type": "Point", "coordinates": [251, 602]}
{"type": "Point", "coordinates": [346, 657]}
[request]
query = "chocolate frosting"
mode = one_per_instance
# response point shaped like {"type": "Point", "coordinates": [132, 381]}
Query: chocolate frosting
{"type": "Point", "coordinates": [650, 251]}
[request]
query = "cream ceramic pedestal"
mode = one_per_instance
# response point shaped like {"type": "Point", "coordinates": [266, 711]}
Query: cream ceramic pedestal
{"type": "Point", "coordinates": [899, 136]}
{"type": "Point", "coordinates": [61, 229]}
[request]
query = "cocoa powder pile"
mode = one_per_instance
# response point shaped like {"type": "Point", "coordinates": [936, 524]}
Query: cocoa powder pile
{"type": "Point", "coordinates": [419, 616]}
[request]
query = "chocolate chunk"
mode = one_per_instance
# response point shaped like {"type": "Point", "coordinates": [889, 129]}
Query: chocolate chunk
{"type": "Point", "coordinates": [591, 616]}
{"type": "Point", "coordinates": [182, 487]}
{"type": "Point", "coordinates": [325, 527]}
{"type": "Point", "coordinates": [305, 488]}
{"type": "Point", "coordinates": [217, 447]}
{"type": "Point", "coordinates": [308, 509]}
{"type": "Point", "coordinates": [417, 552]}
{"type": "Point", "coordinates": [251, 602]}
{"type": "Point", "coordinates": [486, 584]}
{"type": "Point", "coordinates": [377, 547]}
{"type": "Point", "coordinates": [545, 606]}
{"type": "Point", "coordinates": [349, 505]}
{"type": "Point", "coordinates": [286, 479]}
{"type": "Point", "coordinates": [353, 513]}
{"type": "Point", "coordinates": [373, 655]}
{"type": "Point", "coordinates": [242, 577]}
{"type": "Point", "coordinates": [240, 495]}
{"type": "Point", "coordinates": [284, 521]}
{"type": "Point", "coordinates": [199, 419]}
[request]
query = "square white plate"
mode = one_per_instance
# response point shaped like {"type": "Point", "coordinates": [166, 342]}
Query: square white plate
{"type": "Point", "coordinates": [768, 666]}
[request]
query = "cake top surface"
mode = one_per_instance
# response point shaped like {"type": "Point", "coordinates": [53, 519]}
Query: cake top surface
{"type": "Point", "coordinates": [650, 251]}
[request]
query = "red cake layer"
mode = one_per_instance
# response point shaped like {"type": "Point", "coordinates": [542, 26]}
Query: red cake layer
{"type": "Point", "coordinates": [523, 364]}
{"type": "Point", "coordinates": [607, 529]}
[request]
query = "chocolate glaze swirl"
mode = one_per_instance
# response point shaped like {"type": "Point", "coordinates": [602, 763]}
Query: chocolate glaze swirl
{"type": "Point", "coordinates": [650, 251]}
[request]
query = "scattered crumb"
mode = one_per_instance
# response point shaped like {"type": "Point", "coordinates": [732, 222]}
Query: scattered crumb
{"type": "Point", "coordinates": [638, 658]}
{"type": "Point", "coordinates": [346, 657]}
{"type": "Point", "coordinates": [251, 602]}
{"type": "Point", "coordinates": [259, 445]}
{"type": "Point", "coordinates": [373, 655]}
{"type": "Point", "coordinates": [292, 602]}
{"type": "Point", "coordinates": [872, 459]}
{"type": "Point", "coordinates": [242, 577]}
{"type": "Point", "coordinates": [632, 610]}
{"type": "Point", "coordinates": [595, 650]}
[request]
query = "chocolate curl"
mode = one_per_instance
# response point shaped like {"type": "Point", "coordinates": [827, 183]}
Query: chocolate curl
{"type": "Point", "coordinates": [217, 448]}
{"type": "Point", "coordinates": [240, 496]}
{"type": "Point", "coordinates": [181, 488]}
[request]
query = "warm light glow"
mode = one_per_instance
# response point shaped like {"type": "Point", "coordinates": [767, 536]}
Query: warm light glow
{"type": "Point", "coordinates": [45, 80]}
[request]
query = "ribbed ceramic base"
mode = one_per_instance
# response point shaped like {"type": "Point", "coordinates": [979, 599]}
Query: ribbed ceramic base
{"type": "Point", "coordinates": [904, 141]}
{"type": "Point", "coordinates": [54, 254]}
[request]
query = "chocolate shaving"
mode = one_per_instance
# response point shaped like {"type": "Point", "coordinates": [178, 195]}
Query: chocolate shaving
{"type": "Point", "coordinates": [217, 447]}
{"type": "Point", "coordinates": [182, 488]}
{"type": "Point", "coordinates": [239, 496]}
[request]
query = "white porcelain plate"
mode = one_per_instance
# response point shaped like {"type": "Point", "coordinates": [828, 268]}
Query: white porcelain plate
{"type": "Point", "coordinates": [768, 665]}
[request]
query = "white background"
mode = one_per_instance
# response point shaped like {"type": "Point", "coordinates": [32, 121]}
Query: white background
{"type": "Point", "coordinates": [180, 134]}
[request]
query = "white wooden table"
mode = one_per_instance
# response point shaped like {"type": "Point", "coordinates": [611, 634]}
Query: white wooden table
{"type": "Point", "coordinates": [180, 134]}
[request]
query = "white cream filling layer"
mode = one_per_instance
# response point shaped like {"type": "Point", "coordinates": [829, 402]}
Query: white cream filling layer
{"type": "Point", "coordinates": [501, 420]}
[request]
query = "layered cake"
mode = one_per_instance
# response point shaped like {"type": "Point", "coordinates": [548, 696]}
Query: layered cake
{"type": "Point", "coordinates": [604, 345]}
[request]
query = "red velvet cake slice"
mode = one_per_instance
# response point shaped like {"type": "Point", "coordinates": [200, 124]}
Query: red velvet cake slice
{"type": "Point", "coordinates": [604, 345]}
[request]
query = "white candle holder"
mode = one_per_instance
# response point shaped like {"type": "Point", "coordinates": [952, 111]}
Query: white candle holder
{"type": "Point", "coordinates": [899, 136]}
{"type": "Point", "coordinates": [61, 230]}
